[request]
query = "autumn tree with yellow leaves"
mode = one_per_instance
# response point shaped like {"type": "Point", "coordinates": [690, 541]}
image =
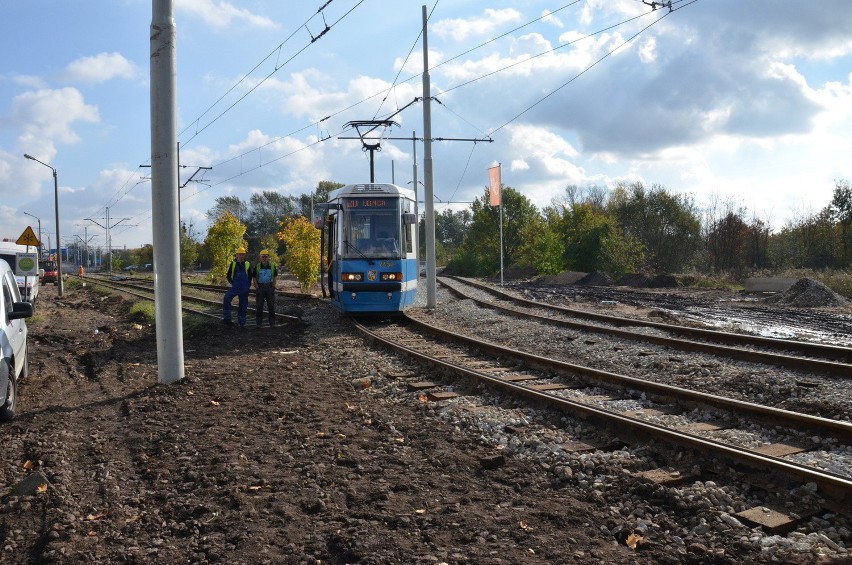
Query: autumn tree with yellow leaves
{"type": "Point", "coordinates": [302, 250]}
{"type": "Point", "coordinates": [223, 239]}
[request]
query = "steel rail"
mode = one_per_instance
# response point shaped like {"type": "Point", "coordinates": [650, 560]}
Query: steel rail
{"type": "Point", "coordinates": [826, 367]}
{"type": "Point", "coordinates": [122, 287]}
{"type": "Point", "coordinates": [840, 429]}
{"type": "Point", "coordinates": [834, 485]}
{"type": "Point", "coordinates": [210, 287]}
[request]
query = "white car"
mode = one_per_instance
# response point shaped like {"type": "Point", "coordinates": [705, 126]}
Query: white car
{"type": "Point", "coordinates": [13, 341]}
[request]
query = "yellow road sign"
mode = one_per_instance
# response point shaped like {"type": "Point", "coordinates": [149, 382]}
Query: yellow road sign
{"type": "Point", "coordinates": [28, 238]}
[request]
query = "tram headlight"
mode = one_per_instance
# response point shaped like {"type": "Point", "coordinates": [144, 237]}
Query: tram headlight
{"type": "Point", "coordinates": [391, 276]}
{"type": "Point", "coordinates": [352, 277]}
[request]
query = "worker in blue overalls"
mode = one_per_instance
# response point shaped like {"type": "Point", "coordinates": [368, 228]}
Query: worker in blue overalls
{"type": "Point", "coordinates": [265, 275]}
{"type": "Point", "coordinates": [239, 276]}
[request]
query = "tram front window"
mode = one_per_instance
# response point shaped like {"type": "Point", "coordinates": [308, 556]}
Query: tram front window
{"type": "Point", "coordinates": [372, 233]}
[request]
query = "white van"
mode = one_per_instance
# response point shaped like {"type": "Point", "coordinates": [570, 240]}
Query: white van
{"type": "Point", "coordinates": [13, 341]}
{"type": "Point", "coordinates": [27, 286]}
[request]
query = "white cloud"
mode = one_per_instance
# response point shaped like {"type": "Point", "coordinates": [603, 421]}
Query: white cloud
{"type": "Point", "coordinates": [30, 81]}
{"type": "Point", "coordinates": [460, 29]}
{"type": "Point", "coordinates": [47, 115]}
{"type": "Point", "coordinates": [648, 50]}
{"type": "Point", "coordinates": [100, 68]}
{"type": "Point", "coordinates": [551, 19]}
{"type": "Point", "coordinates": [220, 15]}
{"type": "Point", "coordinates": [311, 94]}
{"type": "Point", "coordinates": [543, 153]}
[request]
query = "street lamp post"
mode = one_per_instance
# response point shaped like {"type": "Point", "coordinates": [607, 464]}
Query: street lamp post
{"type": "Point", "coordinates": [40, 244]}
{"type": "Point", "coordinates": [56, 205]}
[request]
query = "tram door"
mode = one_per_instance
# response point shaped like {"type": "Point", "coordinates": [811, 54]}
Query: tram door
{"type": "Point", "coordinates": [323, 219]}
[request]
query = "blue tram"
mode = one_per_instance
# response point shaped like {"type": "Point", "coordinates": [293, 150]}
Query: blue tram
{"type": "Point", "coordinates": [370, 239]}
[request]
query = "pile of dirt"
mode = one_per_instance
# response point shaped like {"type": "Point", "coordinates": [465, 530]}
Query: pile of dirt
{"type": "Point", "coordinates": [635, 280]}
{"type": "Point", "coordinates": [565, 277]}
{"type": "Point", "coordinates": [663, 281]}
{"type": "Point", "coordinates": [808, 293]}
{"type": "Point", "coordinates": [596, 279]}
{"type": "Point", "coordinates": [519, 273]}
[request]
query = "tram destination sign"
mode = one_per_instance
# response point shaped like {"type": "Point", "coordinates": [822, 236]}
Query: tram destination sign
{"type": "Point", "coordinates": [370, 203]}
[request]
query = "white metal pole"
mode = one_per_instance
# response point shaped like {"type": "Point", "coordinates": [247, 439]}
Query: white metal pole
{"type": "Point", "coordinates": [416, 203]}
{"type": "Point", "coordinates": [429, 198]}
{"type": "Point", "coordinates": [109, 242]}
{"type": "Point", "coordinates": [164, 194]}
{"type": "Point", "coordinates": [501, 237]}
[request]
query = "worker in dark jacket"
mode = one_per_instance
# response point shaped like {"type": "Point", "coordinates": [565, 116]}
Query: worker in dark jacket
{"type": "Point", "coordinates": [265, 275]}
{"type": "Point", "coordinates": [239, 276]}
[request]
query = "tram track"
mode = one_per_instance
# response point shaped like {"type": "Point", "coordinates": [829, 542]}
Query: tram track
{"type": "Point", "coordinates": [596, 395]}
{"type": "Point", "coordinates": [216, 288]}
{"type": "Point", "coordinates": [828, 360]}
{"type": "Point", "coordinates": [213, 308]}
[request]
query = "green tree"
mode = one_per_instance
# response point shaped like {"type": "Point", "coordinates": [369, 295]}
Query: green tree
{"type": "Point", "coordinates": [668, 225]}
{"type": "Point", "coordinates": [188, 246]}
{"type": "Point", "coordinates": [231, 204]}
{"type": "Point", "coordinates": [542, 247]}
{"type": "Point", "coordinates": [841, 212]}
{"type": "Point", "coordinates": [304, 203]}
{"type": "Point", "coordinates": [593, 242]}
{"type": "Point", "coordinates": [223, 239]}
{"type": "Point", "coordinates": [302, 255]}
{"type": "Point", "coordinates": [480, 252]}
{"type": "Point", "coordinates": [266, 210]}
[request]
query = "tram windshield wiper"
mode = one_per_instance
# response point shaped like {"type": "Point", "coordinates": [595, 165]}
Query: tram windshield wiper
{"type": "Point", "coordinates": [358, 251]}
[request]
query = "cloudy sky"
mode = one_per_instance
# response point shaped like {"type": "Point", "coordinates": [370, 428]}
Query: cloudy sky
{"type": "Point", "coordinates": [723, 100]}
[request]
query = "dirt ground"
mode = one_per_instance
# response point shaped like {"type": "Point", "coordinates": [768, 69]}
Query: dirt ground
{"type": "Point", "coordinates": [269, 451]}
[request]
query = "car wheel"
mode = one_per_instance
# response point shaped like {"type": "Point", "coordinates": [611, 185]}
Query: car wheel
{"type": "Point", "coordinates": [10, 396]}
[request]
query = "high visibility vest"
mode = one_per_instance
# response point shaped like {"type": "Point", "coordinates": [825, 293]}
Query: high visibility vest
{"type": "Point", "coordinates": [232, 269]}
{"type": "Point", "coordinates": [273, 271]}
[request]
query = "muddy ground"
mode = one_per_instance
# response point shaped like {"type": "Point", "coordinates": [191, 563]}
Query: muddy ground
{"type": "Point", "coordinates": [271, 450]}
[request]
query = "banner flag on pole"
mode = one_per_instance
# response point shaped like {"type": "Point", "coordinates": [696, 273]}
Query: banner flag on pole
{"type": "Point", "coordinates": [494, 185]}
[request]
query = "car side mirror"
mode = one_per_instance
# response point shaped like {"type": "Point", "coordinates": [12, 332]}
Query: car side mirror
{"type": "Point", "coordinates": [409, 219]}
{"type": "Point", "coordinates": [41, 272]}
{"type": "Point", "coordinates": [21, 310]}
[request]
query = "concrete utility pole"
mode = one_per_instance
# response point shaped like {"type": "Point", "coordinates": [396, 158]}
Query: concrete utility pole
{"type": "Point", "coordinates": [165, 198]}
{"type": "Point", "coordinates": [431, 278]}
{"type": "Point", "coordinates": [416, 203]}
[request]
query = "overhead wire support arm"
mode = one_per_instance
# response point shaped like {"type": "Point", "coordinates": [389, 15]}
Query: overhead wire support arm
{"type": "Point", "coordinates": [373, 125]}
{"type": "Point", "coordinates": [473, 139]}
{"type": "Point", "coordinates": [197, 170]}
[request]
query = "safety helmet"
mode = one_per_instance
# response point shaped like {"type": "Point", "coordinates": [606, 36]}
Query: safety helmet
{"type": "Point", "coordinates": [264, 253]}
{"type": "Point", "coordinates": [241, 250]}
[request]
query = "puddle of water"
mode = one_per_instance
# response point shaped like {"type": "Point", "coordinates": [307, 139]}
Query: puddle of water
{"type": "Point", "coordinates": [774, 331]}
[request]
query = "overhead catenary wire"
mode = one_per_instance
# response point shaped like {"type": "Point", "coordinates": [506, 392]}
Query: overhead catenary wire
{"type": "Point", "coordinates": [385, 92]}
{"type": "Point", "coordinates": [402, 66]}
{"type": "Point", "coordinates": [588, 68]}
{"type": "Point", "coordinates": [124, 190]}
{"type": "Point", "coordinates": [278, 67]}
{"type": "Point", "coordinates": [467, 83]}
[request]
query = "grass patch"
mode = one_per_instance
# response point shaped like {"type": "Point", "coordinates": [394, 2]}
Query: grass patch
{"type": "Point", "coordinates": [191, 324]}
{"type": "Point", "coordinates": [709, 282]}
{"type": "Point", "coordinates": [36, 319]}
{"type": "Point", "coordinates": [143, 311]}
